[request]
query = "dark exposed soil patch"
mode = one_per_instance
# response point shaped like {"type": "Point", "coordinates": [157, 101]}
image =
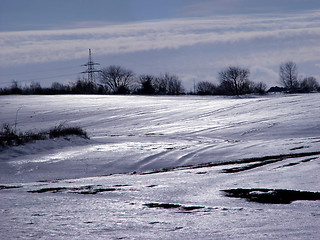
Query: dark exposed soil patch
{"type": "Point", "coordinates": [78, 190]}
{"type": "Point", "coordinates": [96, 190]}
{"type": "Point", "coordinates": [296, 163]}
{"type": "Point", "coordinates": [201, 173]}
{"type": "Point", "coordinates": [274, 196]}
{"type": "Point", "coordinates": [162, 205]}
{"type": "Point", "coordinates": [170, 205]}
{"type": "Point", "coordinates": [152, 223]}
{"type": "Point", "coordinates": [309, 159]}
{"type": "Point", "coordinates": [190, 208]}
{"type": "Point", "coordinates": [261, 161]}
{"type": "Point", "coordinates": [251, 163]}
{"type": "Point", "coordinates": [249, 166]}
{"type": "Point", "coordinates": [122, 185]}
{"type": "Point", "coordinates": [2, 187]}
{"type": "Point", "coordinates": [297, 148]}
{"type": "Point", "coordinates": [53, 190]}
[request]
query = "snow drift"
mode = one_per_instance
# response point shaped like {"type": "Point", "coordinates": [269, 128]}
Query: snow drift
{"type": "Point", "coordinates": [156, 168]}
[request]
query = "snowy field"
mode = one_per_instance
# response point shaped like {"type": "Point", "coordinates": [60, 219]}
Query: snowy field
{"type": "Point", "coordinates": [155, 167]}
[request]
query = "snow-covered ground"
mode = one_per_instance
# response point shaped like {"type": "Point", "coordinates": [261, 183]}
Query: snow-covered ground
{"type": "Point", "coordinates": [98, 189]}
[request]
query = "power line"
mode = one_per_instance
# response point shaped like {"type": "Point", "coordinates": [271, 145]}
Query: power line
{"type": "Point", "coordinates": [40, 78]}
{"type": "Point", "coordinates": [90, 71]}
{"type": "Point", "coordinates": [41, 71]}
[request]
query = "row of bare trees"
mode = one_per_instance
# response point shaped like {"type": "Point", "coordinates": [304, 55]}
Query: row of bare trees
{"type": "Point", "coordinates": [291, 81]}
{"type": "Point", "coordinates": [233, 80]}
{"type": "Point", "coordinates": [81, 86]}
{"type": "Point", "coordinates": [118, 80]}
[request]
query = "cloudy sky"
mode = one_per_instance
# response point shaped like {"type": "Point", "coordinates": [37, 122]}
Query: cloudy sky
{"type": "Point", "coordinates": [48, 40]}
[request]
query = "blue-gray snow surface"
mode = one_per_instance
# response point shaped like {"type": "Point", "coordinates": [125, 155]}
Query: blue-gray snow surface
{"type": "Point", "coordinates": [155, 167]}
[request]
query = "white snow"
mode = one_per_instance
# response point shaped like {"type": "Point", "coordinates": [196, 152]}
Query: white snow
{"type": "Point", "coordinates": [140, 134]}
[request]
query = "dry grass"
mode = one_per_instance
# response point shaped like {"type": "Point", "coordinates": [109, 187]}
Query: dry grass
{"type": "Point", "coordinates": [11, 137]}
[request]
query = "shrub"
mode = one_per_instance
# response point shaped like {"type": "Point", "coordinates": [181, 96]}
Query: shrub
{"type": "Point", "coordinates": [206, 88]}
{"type": "Point", "coordinates": [7, 135]}
{"type": "Point", "coordinates": [62, 131]}
{"type": "Point", "coordinates": [11, 137]}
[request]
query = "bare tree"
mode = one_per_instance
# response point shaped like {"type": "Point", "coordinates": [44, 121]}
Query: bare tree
{"type": "Point", "coordinates": [116, 78]}
{"type": "Point", "coordinates": [146, 82]}
{"type": "Point", "coordinates": [289, 75]}
{"type": "Point", "coordinates": [168, 84]}
{"type": "Point", "coordinates": [84, 86]}
{"type": "Point", "coordinates": [235, 80]}
{"type": "Point", "coordinates": [15, 87]}
{"type": "Point", "coordinates": [57, 87]}
{"type": "Point", "coordinates": [160, 85]}
{"type": "Point", "coordinates": [175, 85]}
{"type": "Point", "coordinates": [309, 84]}
{"type": "Point", "coordinates": [206, 88]}
{"type": "Point", "coordinates": [35, 88]}
{"type": "Point", "coordinates": [260, 88]}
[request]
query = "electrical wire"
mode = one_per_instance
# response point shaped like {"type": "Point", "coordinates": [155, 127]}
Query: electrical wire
{"type": "Point", "coordinates": [40, 78]}
{"type": "Point", "coordinates": [41, 71]}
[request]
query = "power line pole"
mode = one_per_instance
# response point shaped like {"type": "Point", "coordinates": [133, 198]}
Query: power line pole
{"type": "Point", "coordinates": [90, 68]}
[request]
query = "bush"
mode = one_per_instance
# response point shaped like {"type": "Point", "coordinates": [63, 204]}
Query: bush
{"type": "Point", "coordinates": [309, 84]}
{"type": "Point", "coordinates": [11, 137]}
{"type": "Point", "coordinates": [260, 88]}
{"type": "Point", "coordinates": [7, 135]}
{"type": "Point", "coordinates": [62, 131]}
{"type": "Point", "coordinates": [206, 88]}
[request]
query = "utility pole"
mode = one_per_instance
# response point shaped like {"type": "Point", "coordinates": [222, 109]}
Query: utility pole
{"type": "Point", "coordinates": [90, 68]}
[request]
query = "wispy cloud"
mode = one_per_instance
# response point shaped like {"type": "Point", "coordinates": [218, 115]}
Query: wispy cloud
{"type": "Point", "coordinates": [302, 31]}
{"type": "Point", "coordinates": [213, 7]}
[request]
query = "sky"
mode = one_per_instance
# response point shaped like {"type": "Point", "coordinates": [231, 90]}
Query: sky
{"type": "Point", "coordinates": [47, 41]}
